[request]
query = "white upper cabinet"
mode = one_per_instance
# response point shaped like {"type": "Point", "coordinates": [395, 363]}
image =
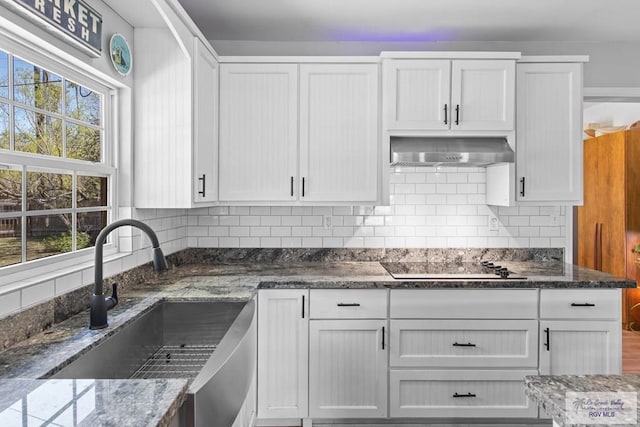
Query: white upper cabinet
{"type": "Point", "coordinates": [318, 145]}
{"type": "Point", "coordinates": [258, 132]}
{"type": "Point", "coordinates": [482, 94]}
{"type": "Point", "coordinates": [549, 132]}
{"type": "Point", "coordinates": [435, 94]}
{"type": "Point", "coordinates": [176, 131]}
{"type": "Point", "coordinates": [417, 94]}
{"type": "Point", "coordinates": [205, 124]}
{"type": "Point", "coordinates": [339, 132]}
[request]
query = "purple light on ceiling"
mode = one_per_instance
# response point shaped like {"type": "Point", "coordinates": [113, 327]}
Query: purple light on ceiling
{"type": "Point", "coordinates": [408, 36]}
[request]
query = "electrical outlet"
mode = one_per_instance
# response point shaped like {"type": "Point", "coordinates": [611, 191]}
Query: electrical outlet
{"type": "Point", "coordinates": [555, 219]}
{"type": "Point", "coordinates": [327, 222]}
{"type": "Point", "coordinates": [494, 224]}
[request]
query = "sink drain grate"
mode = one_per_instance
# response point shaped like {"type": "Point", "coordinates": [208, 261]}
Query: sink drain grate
{"type": "Point", "coordinates": [175, 361]}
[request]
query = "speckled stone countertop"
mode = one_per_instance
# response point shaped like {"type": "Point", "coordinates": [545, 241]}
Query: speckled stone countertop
{"type": "Point", "coordinates": [44, 353]}
{"type": "Point", "coordinates": [549, 391]}
{"type": "Point", "coordinates": [90, 402]}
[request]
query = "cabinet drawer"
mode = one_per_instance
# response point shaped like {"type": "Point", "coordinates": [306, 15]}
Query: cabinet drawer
{"type": "Point", "coordinates": [478, 394]}
{"type": "Point", "coordinates": [464, 303]}
{"type": "Point", "coordinates": [348, 304]}
{"type": "Point", "coordinates": [580, 303]}
{"type": "Point", "coordinates": [464, 343]}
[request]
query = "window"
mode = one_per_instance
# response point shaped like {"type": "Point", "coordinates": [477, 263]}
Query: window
{"type": "Point", "coordinates": [55, 170]}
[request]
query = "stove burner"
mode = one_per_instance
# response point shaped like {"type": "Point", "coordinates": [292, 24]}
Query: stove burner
{"type": "Point", "coordinates": [447, 271]}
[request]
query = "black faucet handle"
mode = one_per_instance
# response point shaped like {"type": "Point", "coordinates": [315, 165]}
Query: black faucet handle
{"type": "Point", "coordinates": [112, 301]}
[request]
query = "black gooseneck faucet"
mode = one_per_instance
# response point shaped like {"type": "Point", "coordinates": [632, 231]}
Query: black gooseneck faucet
{"type": "Point", "coordinates": [100, 304]}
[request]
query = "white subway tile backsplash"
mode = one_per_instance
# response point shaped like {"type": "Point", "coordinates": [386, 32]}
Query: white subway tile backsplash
{"type": "Point", "coordinates": [315, 220]}
{"type": "Point", "coordinates": [429, 208]}
{"type": "Point", "coordinates": [37, 293]}
{"type": "Point", "coordinates": [281, 210]}
{"type": "Point", "coordinates": [271, 221]}
{"type": "Point", "coordinates": [9, 303]}
{"type": "Point", "coordinates": [219, 210]}
{"type": "Point", "coordinates": [260, 231]}
{"type": "Point", "coordinates": [301, 210]}
{"type": "Point", "coordinates": [446, 188]}
{"type": "Point", "coordinates": [239, 210]}
{"type": "Point", "coordinates": [280, 231]}
{"type": "Point", "coordinates": [291, 242]}
{"type": "Point", "coordinates": [218, 231]}
{"type": "Point", "coordinates": [457, 199]}
{"type": "Point", "coordinates": [68, 282]}
{"type": "Point", "coordinates": [229, 220]}
{"type": "Point", "coordinates": [354, 242]}
{"type": "Point", "coordinates": [238, 231]}
{"type": "Point", "coordinates": [301, 231]}
{"type": "Point", "coordinates": [229, 242]}
{"type": "Point", "coordinates": [312, 242]}
{"type": "Point", "coordinates": [249, 242]}
{"type": "Point", "coordinates": [270, 242]}
{"type": "Point", "coordinates": [250, 220]}
{"type": "Point", "coordinates": [294, 220]}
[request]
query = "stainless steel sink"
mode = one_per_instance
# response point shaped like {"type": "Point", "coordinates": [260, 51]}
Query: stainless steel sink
{"type": "Point", "coordinates": [210, 343]}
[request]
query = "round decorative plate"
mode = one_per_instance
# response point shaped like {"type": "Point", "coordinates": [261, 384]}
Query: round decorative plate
{"type": "Point", "coordinates": [120, 54]}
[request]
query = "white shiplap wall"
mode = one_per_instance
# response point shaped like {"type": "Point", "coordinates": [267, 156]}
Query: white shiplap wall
{"type": "Point", "coordinates": [428, 210]}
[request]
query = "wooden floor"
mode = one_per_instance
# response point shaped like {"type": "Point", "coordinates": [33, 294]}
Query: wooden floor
{"type": "Point", "coordinates": [630, 352]}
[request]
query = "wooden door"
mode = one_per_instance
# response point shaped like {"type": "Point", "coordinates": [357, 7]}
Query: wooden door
{"type": "Point", "coordinates": [283, 353]}
{"type": "Point", "coordinates": [601, 220]}
{"type": "Point", "coordinates": [417, 94]}
{"type": "Point", "coordinates": [339, 140]}
{"type": "Point", "coordinates": [482, 95]}
{"type": "Point", "coordinates": [347, 369]}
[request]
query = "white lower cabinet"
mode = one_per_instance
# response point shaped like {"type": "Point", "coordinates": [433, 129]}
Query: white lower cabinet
{"type": "Point", "coordinates": [460, 354]}
{"type": "Point", "coordinates": [464, 343]}
{"type": "Point", "coordinates": [283, 353]}
{"type": "Point", "coordinates": [460, 394]}
{"type": "Point", "coordinates": [347, 369]}
{"type": "Point", "coordinates": [580, 331]}
{"type": "Point", "coordinates": [580, 347]}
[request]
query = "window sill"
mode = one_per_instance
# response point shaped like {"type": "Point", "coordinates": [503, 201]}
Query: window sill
{"type": "Point", "coordinates": [16, 281]}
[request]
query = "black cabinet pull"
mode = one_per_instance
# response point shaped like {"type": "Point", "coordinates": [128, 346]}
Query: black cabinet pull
{"type": "Point", "coordinates": [383, 337]}
{"type": "Point", "coordinates": [204, 183]}
{"type": "Point", "coordinates": [547, 343]}
{"type": "Point", "coordinates": [457, 114]}
{"type": "Point", "coordinates": [586, 304]}
{"type": "Point", "coordinates": [350, 304]}
{"type": "Point", "coordinates": [303, 186]}
{"type": "Point", "coordinates": [456, 344]}
{"type": "Point", "coordinates": [303, 306]}
{"type": "Point", "coordinates": [445, 114]}
{"type": "Point", "coordinates": [463, 395]}
{"type": "Point", "coordinates": [522, 186]}
{"type": "Point", "coordinates": [291, 186]}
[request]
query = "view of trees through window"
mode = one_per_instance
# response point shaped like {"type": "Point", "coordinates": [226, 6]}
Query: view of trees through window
{"type": "Point", "coordinates": [58, 203]}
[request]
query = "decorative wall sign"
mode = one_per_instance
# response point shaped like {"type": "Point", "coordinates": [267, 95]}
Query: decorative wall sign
{"type": "Point", "coordinates": [75, 19]}
{"type": "Point", "coordinates": [120, 54]}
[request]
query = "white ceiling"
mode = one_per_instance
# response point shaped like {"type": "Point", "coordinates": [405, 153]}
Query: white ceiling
{"type": "Point", "coordinates": [417, 20]}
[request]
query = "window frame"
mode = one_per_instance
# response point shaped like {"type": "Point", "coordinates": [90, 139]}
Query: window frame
{"type": "Point", "coordinates": [106, 168]}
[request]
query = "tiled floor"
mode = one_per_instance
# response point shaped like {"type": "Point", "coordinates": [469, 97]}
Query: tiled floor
{"type": "Point", "coordinates": [630, 352]}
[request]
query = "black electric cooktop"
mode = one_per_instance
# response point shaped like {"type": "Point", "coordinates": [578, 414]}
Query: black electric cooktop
{"type": "Point", "coordinates": [448, 271]}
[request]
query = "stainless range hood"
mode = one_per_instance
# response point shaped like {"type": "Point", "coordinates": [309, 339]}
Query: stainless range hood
{"type": "Point", "coordinates": [449, 151]}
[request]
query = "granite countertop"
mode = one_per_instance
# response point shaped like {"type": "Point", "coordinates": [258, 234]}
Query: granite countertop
{"type": "Point", "coordinates": [550, 393]}
{"type": "Point", "coordinates": [90, 402]}
{"type": "Point", "coordinates": [43, 354]}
